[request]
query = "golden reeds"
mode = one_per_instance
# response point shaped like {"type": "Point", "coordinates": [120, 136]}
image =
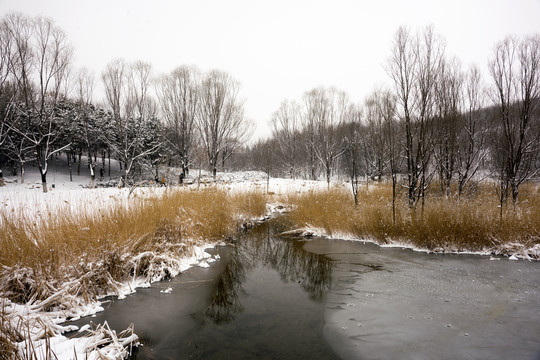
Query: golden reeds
{"type": "Point", "coordinates": [468, 223]}
{"type": "Point", "coordinates": [54, 247]}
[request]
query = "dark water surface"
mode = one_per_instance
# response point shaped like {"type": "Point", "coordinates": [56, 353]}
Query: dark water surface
{"type": "Point", "coordinates": [262, 300]}
{"type": "Point", "coordinates": [273, 298]}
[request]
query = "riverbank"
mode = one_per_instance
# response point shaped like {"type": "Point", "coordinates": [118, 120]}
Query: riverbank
{"type": "Point", "coordinates": [63, 251]}
{"type": "Point", "coordinates": [472, 224]}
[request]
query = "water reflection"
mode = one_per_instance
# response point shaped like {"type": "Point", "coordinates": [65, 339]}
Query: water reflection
{"type": "Point", "coordinates": [226, 295]}
{"type": "Point", "coordinates": [287, 257]}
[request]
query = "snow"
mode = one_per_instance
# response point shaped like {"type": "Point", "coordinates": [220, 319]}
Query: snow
{"type": "Point", "coordinates": [27, 199]}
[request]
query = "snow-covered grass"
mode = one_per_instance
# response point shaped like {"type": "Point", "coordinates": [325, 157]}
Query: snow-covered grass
{"type": "Point", "coordinates": [64, 250]}
{"type": "Point", "coordinates": [469, 224]}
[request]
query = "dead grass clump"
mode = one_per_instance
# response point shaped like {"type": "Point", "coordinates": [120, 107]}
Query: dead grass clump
{"type": "Point", "coordinates": [62, 260]}
{"type": "Point", "coordinates": [60, 246]}
{"type": "Point", "coordinates": [330, 210]}
{"type": "Point", "coordinates": [8, 336]}
{"type": "Point", "coordinates": [249, 204]}
{"type": "Point", "coordinates": [470, 223]}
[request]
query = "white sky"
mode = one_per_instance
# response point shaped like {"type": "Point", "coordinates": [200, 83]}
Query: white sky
{"type": "Point", "coordinates": [277, 49]}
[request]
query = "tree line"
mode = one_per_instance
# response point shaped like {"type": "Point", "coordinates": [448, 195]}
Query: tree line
{"type": "Point", "coordinates": [146, 120]}
{"type": "Point", "coordinates": [439, 121]}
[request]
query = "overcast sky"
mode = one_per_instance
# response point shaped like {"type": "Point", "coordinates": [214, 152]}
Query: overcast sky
{"type": "Point", "coordinates": [277, 49]}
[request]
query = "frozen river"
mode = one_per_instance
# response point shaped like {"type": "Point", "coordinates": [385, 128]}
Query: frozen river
{"type": "Point", "coordinates": [274, 298]}
{"type": "Point", "coordinates": [389, 303]}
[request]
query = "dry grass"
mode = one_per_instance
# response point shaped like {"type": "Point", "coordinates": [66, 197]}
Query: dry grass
{"type": "Point", "coordinates": [469, 223]}
{"type": "Point", "coordinates": [62, 260]}
{"type": "Point", "coordinates": [56, 247]}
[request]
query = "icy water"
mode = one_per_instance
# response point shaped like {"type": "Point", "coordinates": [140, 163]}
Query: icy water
{"type": "Point", "coordinates": [274, 298]}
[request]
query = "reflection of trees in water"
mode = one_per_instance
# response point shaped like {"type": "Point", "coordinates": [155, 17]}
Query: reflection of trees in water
{"type": "Point", "coordinates": [226, 294]}
{"type": "Point", "coordinates": [294, 264]}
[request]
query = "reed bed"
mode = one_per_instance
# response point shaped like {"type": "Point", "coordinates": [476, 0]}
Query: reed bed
{"type": "Point", "coordinates": [61, 260]}
{"type": "Point", "coordinates": [469, 223]}
{"type": "Point", "coordinates": [54, 242]}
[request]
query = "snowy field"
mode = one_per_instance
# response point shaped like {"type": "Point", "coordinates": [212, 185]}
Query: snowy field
{"type": "Point", "coordinates": [28, 198]}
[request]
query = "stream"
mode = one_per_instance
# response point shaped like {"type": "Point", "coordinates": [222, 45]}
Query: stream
{"type": "Point", "coordinates": [288, 298]}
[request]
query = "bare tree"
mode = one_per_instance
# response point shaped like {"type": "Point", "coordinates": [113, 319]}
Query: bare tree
{"type": "Point", "coordinates": [86, 117]}
{"type": "Point", "coordinates": [85, 83]}
{"type": "Point", "coordinates": [40, 66]}
{"type": "Point", "coordinates": [6, 42]}
{"type": "Point", "coordinates": [178, 94]}
{"type": "Point", "coordinates": [515, 69]}
{"type": "Point", "coordinates": [114, 81]}
{"type": "Point", "coordinates": [15, 66]}
{"type": "Point", "coordinates": [20, 30]}
{"type": "Point", "coordinates": [375, 146]}
{"type": "Point", "coordinates": [327, 110]}
{"type": "Point", "coordinates": [263, 157]}
{"type": "Point", "coordinates": [448, 121]}
{"type": "Point", "coordinates": [414, 67]}
{"type": "Point", "coordinates": [220, 115]}
{"type": "Point", "coordinates": [352, 138]}
{"type": "Point", "coordinates": [402, 67]}
{"type": "Point", "coordinates": [127, 93]}
{"type": "Point", "coordinates": [472, 137]}
{"type": "Point", "coordinates": [309, 133]}
{"type": "Point", "coordinates": [138, 102]}
{"type": "Point", "coordinates": [387, 112]}
{"type": "Point", "coordinates": [236, 141]}
{"type": "Point", "coordinates": [6, 52]}
{"type": "Point", "coordinates": [285, 125]}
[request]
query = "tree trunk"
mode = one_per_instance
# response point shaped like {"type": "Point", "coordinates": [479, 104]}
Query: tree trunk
{"type": "Point", "coordinates": [79, 164]}
{"type": "Point", "coordinates": [92, 175]}
{"type": "Point", "coordinates": [394, 180]}
{"type": "Point", "coordinates": [22, 172]}
{"type": "Point", "coordinates": [43, 179]}
{"type": "Point", "coordinates": [328, 174]}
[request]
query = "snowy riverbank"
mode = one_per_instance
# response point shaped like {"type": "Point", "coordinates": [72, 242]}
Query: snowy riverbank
{"type": "Point", "coordinates": [37, 323]}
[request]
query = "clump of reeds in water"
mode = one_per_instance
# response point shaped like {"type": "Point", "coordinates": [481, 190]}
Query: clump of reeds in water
{"type": "Point", "coordinates": [472, 222]}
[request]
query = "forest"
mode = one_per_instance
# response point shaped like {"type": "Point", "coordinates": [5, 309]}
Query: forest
{"type": "Point", "coordinates": [439, 125]}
